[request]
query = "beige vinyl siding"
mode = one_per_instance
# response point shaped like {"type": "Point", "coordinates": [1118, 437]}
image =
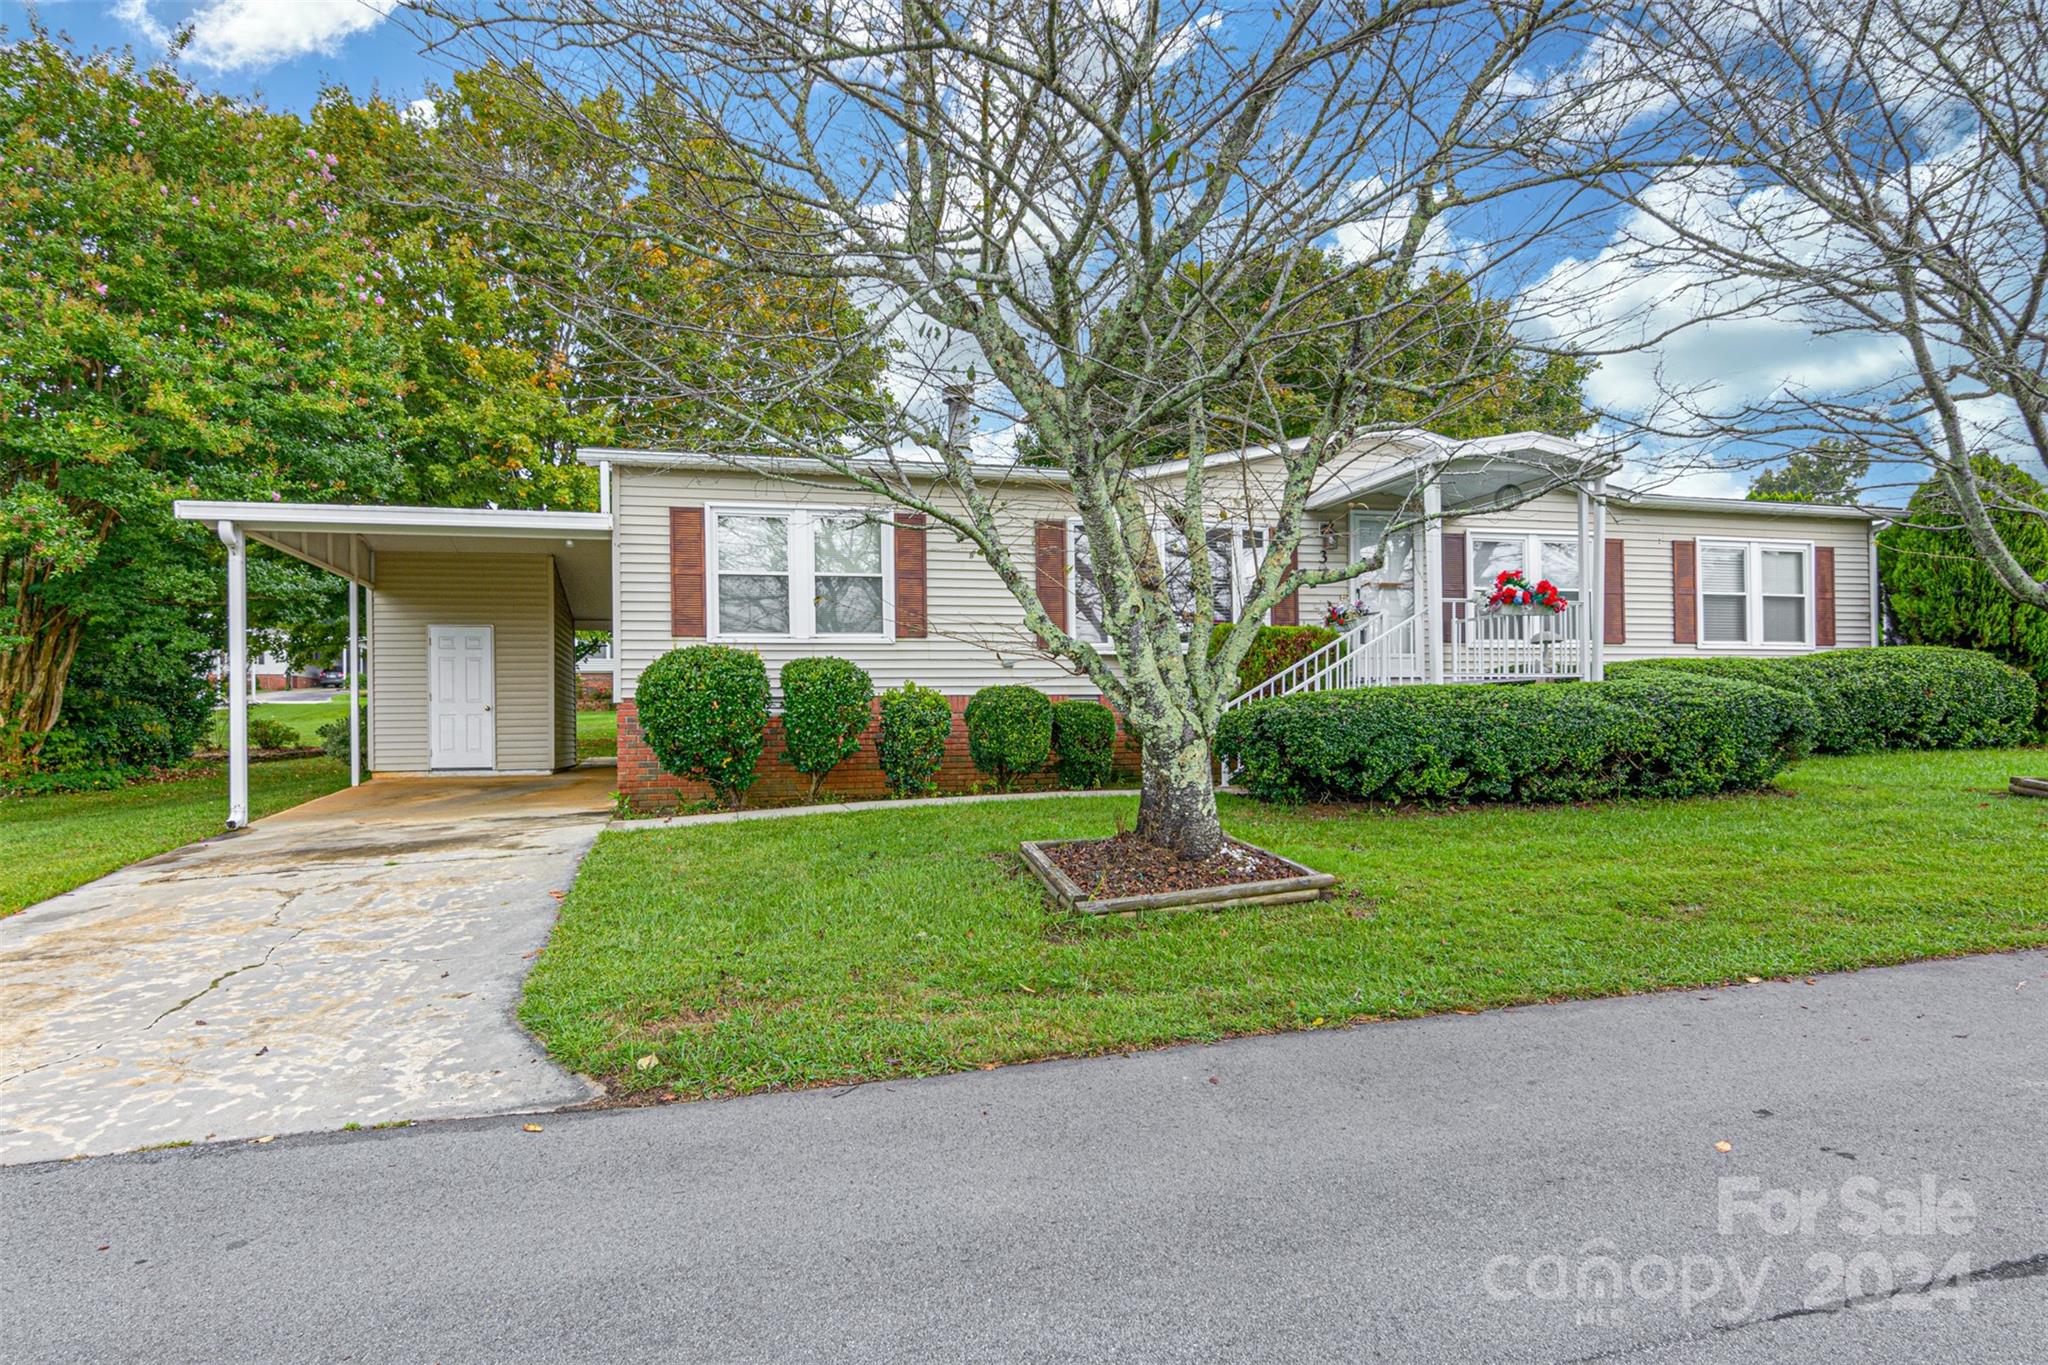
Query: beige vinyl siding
{"type": "Point", "coordinates": [1647, 532]}
{"type": "Point", "coordinates": [976, 637]}
{"type": "Point", "coordinates": [513, 594]}
{"type": "Point", "coordinates": [565, 675]}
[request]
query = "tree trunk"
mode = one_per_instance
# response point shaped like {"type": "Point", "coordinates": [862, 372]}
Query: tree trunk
{"type": "Point", "coordinates": [32, 678]}
{"type": "Point", "coordinates": [1177, 796]}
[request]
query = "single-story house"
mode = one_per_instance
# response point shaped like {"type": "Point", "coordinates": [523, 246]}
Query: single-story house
{"type": "Point", "coordinates": [471, 614]}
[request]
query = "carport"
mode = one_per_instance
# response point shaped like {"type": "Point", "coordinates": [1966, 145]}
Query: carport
{"type": "Point", "coordinates": [464, 628]}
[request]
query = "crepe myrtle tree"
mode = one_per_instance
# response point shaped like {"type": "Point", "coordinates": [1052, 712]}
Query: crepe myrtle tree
{"type": "Point", "coordinates": [1091, 222]}
{"type": "Point", "coordinates": [1869, 172]}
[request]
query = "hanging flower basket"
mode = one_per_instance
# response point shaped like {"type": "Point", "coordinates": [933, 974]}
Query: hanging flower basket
{"type": "Point", "coordinates": [1514, 595]}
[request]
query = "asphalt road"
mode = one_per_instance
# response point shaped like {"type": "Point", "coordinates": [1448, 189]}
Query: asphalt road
{"type": "Point", "coordinates": [1536, 1184]}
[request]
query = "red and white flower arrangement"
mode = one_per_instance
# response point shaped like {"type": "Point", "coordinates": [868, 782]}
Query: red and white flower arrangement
{"type": "Point", "coordinates": [1512, 588]}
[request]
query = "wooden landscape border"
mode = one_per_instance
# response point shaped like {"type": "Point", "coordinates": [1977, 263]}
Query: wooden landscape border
{"type": "Point", "coordinates": [1307, 886]}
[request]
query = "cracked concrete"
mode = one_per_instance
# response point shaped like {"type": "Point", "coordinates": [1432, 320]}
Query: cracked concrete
{"type": "Point", "coordinates": [357, 959]}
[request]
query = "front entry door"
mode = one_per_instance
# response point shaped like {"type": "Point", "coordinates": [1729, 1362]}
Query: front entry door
{"type": "Point", "coordinates": [463, 692]}
{"type": "Point", "coordinates": [1390, 589]}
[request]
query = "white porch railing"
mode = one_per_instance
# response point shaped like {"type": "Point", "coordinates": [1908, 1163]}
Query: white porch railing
{"type": "Point", "coordinates": [1483, 646]}
{"type": "Point", "coordinates": [1370, 654]}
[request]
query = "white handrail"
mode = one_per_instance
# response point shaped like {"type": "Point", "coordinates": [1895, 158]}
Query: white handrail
{"type": "Point", "coordinates": [1289, 679]}
{"type": "Point", "coordinates": [1353, 659]}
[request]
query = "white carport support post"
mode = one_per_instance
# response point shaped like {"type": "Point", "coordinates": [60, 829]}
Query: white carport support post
{"type": "Point", "coordinates": [355, 714]}
{"type": "Point", "coordinates": [238, 672]}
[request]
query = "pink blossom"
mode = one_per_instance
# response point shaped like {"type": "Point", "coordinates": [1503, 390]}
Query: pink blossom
{"type": "Point", "coordinates": [99, 288]}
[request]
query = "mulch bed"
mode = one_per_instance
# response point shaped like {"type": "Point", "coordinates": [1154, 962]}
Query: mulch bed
{"type": "Point", "coordinates": [1129, 866]}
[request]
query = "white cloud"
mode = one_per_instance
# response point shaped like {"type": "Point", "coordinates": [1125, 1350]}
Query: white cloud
{"type": "Point", "coordinates": [239, 35]}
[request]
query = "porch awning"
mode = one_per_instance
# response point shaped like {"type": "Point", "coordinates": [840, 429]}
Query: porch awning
{"type": "Point", "coordinates": [346, 540]}
{"type": "Point", "coordinates": [1470, 473]}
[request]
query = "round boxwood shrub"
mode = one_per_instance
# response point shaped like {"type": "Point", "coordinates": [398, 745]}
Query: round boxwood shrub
{"type": "Point", "coordinates": [826, 706]}
{"type": "Point", "coordinates": [1009, 732]}
{"type": "Point", "coordinates": [1084, 743]}
{"type": "Point", "coordinates": [703, 711]}
{"type": "Point", "coordinates": [916, 723]}
{"type": "Point", "coordinates": [1667, 734]}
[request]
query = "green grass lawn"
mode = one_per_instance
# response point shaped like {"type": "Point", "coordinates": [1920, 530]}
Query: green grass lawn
{"type": "Point", "coordinates": [830, 948]}
{"type": "Point", "coordinates": [306, 717]}
{"type": "Point", "coordinates": [50, 844]}
{"type": "Point", "coordinates": [597, 734]}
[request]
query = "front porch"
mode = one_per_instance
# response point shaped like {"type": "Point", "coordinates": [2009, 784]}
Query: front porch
{"type": "Point", "coordinates": [1445, 525]}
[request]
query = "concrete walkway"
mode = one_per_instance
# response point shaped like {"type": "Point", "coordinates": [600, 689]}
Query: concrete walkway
{"type": "Point", "coordinates": [1536, 1184]}
{"type": "Point", "coordinates": [355, 960]}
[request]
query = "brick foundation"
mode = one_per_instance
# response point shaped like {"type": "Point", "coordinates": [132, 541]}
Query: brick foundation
{"type": "Point", "coordinates": [647, 788]}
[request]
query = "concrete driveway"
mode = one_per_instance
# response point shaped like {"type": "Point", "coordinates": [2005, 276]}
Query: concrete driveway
{"type": "Point", "coordinates": [355, 960]}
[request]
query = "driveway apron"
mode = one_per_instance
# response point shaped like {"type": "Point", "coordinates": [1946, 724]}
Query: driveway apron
{"type": "Point", "coordinates": [356, 960]}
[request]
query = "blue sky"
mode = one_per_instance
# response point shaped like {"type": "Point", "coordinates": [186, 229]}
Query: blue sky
{"type": "Point", "coordinates": [283, 52]}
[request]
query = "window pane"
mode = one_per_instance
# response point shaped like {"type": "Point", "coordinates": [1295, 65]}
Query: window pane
{"type": "Point", "coordinates": [1087, 595]}
{"type": "Point", "coordinates": [753, 604]}
{"type": "Point", "coordinates": [1724, 568]}
{"type": "Point", "coordinates": [753, 544]}
{"type": "Point", "coordinates": [1784, 619]}
{"type": "Point", "coordinates": [1725, 620]}
{"type": "Point", "coordinates": [849, 606]}
{"type": "Point", "coordinates": [1784, 572]}
{"type": "Point", "coordinates": [848, 545]}
{"type": "Point", "coordinates": [1492, 558]}
{"type": "Point", "coordinates": [1224, 580]}
{"type": "Point", "coordinates": [1561, 564]}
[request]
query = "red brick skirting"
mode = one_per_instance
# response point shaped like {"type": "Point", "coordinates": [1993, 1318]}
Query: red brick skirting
{"type": "Point", "coordinates": [647, 788]}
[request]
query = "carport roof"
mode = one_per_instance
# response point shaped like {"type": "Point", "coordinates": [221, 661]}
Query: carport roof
{"type": "Point", "coordinates": [346, 539]}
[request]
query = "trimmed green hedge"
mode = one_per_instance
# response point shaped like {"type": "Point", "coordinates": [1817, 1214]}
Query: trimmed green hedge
{"type": "Point", "coordinates": [1084, 743]}
{"type": "Point", "coordinates": [1665, 735]}
{"type": "Point", "coordinates": [1897, 697]}
{"type": "Point", "coordinates": [704, 713]}
{"type": "Point", "coordinates": [1009, 731]}
{"type": "Point", "coordinates": [826, 706]}
{"type": "Point", "coordinates": [1273, 648]}
{"type": "Point", "coordinates": [916, 722]}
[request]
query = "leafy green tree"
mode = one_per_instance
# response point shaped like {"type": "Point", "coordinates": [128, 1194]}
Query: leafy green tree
{"type": "Point", "coordinates": [189, 312]}
{"type": "Point", "coordinates": [502, 380]}
{"type": "Point", "coordinates": [1442, 356]}
{"type": "Point", "coordinates": [1831, 472]}
{"type": "Point", "coordinates": [1941, 592]}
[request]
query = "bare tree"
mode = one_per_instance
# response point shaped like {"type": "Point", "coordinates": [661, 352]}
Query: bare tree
{"type": "Point", "coordinates": [1874, 169]}
{"type": "Point", "coordinates": [1057, 205]}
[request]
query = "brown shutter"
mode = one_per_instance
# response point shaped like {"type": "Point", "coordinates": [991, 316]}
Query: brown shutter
{"type": "Point", "coordinates": [1685, 588]}
{"type": "Point", "coordinates": [1049, 543]}
{"type": "Point", "coordinates": [686, 572]}
{"type": "Point", "coordinates": [1287, 611]}
{"type": "Point", "coordinates": [1824, 594]}
{"type": "Point", "coordinates": [910, 591]}
{"type": "Point", "coordinates": [1455, 579]}
{"type": "Point", "coordinates": [1614, 596]}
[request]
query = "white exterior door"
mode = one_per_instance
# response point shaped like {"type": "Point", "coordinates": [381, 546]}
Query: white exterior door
{"type": "Point", "coordinates": [463, 690]}
{"type": "Point", "coordinates": [1390, 589]}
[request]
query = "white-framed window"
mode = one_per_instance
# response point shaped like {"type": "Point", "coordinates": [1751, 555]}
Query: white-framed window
{"type": "Point", "coordinates": [1755, 594]}
{"type": "Point", "coordinates": [799, 573]}
{"type": "Point", "coordinates": [1538, 554]}
{"type": "Point", "coordinates": [1234, 555]}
